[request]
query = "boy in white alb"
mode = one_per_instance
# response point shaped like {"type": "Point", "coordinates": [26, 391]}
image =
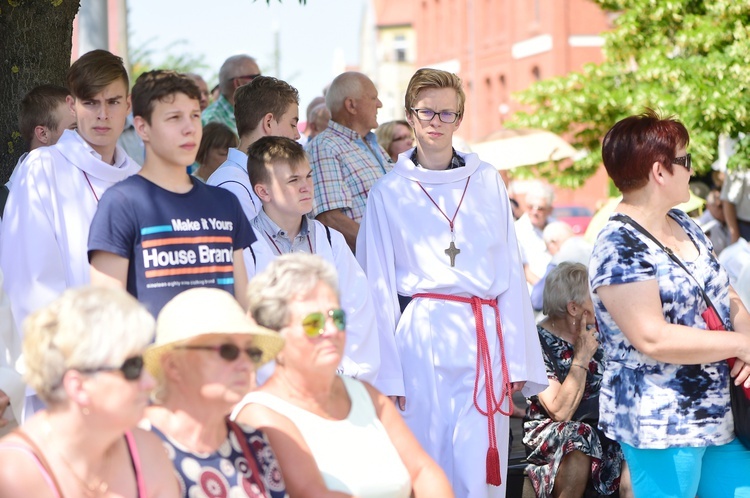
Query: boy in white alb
{"type": "Point", "coordinates": [439, 249]}
{"type": "Point", "coordinates": [57, 189]}
{"type": "Point", "coordinates": [282, 179]}
{"type": "Point", "coordinates": [264, 107]}
{"type": "Point", "coordinates": [162, 231]}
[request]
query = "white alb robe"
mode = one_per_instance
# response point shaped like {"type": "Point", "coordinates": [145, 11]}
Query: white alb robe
{"type": "Point", "coordinates": [44, 239]}
{"type": "Point", "coordinates": [401, 246]}
{"type": "Point", "coordinates": [362, 352]}
{"type": "Point", "coordinates": [232, 175]}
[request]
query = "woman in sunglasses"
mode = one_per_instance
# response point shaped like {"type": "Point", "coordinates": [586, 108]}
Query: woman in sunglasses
{"type": "Point", "coordinates": [335, 436]}
{"type": "Point", "coordinates": [203, 359]}
{"type": "Point", "coordinates": [665, 391]}
{"type": "Point", "coordinates": [83, 358]}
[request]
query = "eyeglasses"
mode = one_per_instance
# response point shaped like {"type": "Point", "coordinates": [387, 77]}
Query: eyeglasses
{"type": "Point", "coordinates": [250, 77]}
{"type": "Point", "coordinates": [131, 369]}
{"type": "Point", "coordinates": [314, 324]}
{"type": "Point", "coordinates": [427, 115]}
{"type": "Point", "coordinates": [684, 161]}
{"type": "Point", "coordinates": [229, 351]}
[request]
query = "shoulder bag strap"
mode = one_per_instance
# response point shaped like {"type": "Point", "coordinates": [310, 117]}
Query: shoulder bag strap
{"type": "Point", "coordinates": [627, 219]}
{"type": "Point", "coordinates": [251, 461]}
{"type": "Point", "coordinates": [40, 456]}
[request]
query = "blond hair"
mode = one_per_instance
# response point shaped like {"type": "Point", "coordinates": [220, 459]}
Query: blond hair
{"type": "Point", "coordinates": [433, 78]}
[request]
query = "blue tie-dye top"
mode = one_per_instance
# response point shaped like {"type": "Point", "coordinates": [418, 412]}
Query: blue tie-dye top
{"type": "Point", "coordinates": [647, 403]}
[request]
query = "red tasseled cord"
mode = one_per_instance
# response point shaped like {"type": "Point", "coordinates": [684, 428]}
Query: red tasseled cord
{"type": "Point", "coordinates": [493, 467]}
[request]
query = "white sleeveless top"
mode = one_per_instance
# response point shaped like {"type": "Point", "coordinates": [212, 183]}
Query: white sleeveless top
{"type": "Point", "coordinates": [354, 455]}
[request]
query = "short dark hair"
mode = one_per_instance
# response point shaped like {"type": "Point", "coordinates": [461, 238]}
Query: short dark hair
{"type": "Point", "coordinates": [160, 85]}
{"type": "Point", "coordinates": [635, 143]}
{"type": "Point", "coordinates": [93, 72]}
{"type": "Point", "coordinates": [215, 135]}
{"type": "Point", "coordinates": [38, 109]}
{"type": "Point", "coordinates": [259, 97]}
{"type": "Point", "coordinates": [268, 151]}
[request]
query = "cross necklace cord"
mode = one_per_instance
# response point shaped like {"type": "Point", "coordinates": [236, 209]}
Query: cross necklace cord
{"type": "Point", "coordinates": [452, 251]}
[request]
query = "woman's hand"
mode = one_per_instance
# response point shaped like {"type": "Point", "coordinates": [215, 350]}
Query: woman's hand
{"type": "Point", "coordinates": [586, 343]}
{"type": "Point", "coordinates": [740, 373]}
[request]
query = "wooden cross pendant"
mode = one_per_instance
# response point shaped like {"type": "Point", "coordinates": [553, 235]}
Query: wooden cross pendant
{"type": "Point", "coordinates": [452, 251]}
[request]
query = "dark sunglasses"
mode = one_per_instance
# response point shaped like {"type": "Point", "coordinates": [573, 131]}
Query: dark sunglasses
{"type": "Point", "coordinates": [229, 352]}
{"type": "Point", "coordinates": [314, 324]}
{"type": "Point", "coordinates": [684, 161]}
{"type": "Point", "coordinates": [131, 369]}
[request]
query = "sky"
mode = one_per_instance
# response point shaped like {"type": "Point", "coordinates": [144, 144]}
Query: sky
{"type": "Point", "coordinates": [316, 41]}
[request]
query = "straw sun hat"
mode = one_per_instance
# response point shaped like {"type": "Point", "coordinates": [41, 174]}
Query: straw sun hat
{"type": "Point", "coordinates": [204, 311]}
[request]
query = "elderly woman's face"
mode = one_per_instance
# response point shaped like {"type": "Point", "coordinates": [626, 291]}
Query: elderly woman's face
{"type": "Point", "coordinates": [324, 350]}
{"type": "Point", "coordinates": [403, 140]}
{"type": "Point", "coordinates": [204, 364]}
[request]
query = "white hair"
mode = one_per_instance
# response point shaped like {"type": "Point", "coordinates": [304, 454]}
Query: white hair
{"type": "Point", "coordinates": [344, 86]}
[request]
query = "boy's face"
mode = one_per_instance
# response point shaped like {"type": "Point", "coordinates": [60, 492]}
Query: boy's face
{"type": "Point", "coordinates": [65, 119]}
{"type": "Point", "coordinates": [286, 125]}
{"type": "Point", "coordinates": [101, 118]}
{"type": "Point", "coordinates": [175, 131]}
{"type": "Point", "coordinates": [290, 188]}
{"type": "Point", "coordinates": [435, 134]}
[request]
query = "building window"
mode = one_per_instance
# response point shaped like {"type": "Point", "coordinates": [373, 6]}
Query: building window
{"type": "Point", "coordinates": [399, 46]}
{"type": "Point", "coordinates": [536, 73]}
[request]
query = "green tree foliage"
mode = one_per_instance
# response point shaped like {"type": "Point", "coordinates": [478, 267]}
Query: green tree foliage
{"type": "Point", "coordinates": [687, 58]}
{"type": "Point", "coordinates": [144, 59]}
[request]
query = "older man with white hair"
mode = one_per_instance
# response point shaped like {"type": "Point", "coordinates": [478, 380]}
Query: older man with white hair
{"type": "Point", "coordinates": [236, 71]}
{"type": "Point", "coordinates": [346, 159]}
{"type": "Point", "coordinates": [529, 229]}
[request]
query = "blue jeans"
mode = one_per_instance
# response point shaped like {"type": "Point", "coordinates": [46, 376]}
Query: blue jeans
{"type": "Point", "coordinates": [708, 472]}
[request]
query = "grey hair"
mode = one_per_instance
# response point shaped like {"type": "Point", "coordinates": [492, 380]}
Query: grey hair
{"type": "Point", "coordinates": [344, 86]}
{"type": "Point", "coordinates": [286, 279]}
{"type": "Point", "coordinates": [541, 191]}
{"type": "Point", "coordinates": [228, 71]}
{"type": "Point", "coordinates": [568, 282]}
{"type": "Point", "coordinates": [557, 231]}
{"type": "Point", "coordinates": [83, 328]}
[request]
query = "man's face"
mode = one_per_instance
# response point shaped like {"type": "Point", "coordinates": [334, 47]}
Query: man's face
{"type": "Point", "coordinates": [203, 87]}
{"type": "Point", "coordinates": [290, 190]}
{"type": "Point", "coordinates": [101, 119]}
{"type": "Point", "coordinates": [65, 119]}
{"type": "Point", "coordinates": [367, 105]}
{"type": "Point", "coordinates": [538, 209]}
{"type": "Point", "coordinates": [175, 131]}
{"type": "Point", "coordinates": [245, 72]}
{"type": "Point", "coordinates": [286, 125]}
{"type": "Point", "coordinates": [435, 134]}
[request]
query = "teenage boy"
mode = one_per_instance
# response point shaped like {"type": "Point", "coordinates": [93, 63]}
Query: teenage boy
{"type": "Point", "coordinates": [440, 251]}
{"type": "Point", "coordinates": [264, 107]}
{"type": "Point", "coordinates": [281, 177]}
{"type": "Point", "coordinates": [161, 232]}
{"type": "Point", "coordinates": [57, 188]}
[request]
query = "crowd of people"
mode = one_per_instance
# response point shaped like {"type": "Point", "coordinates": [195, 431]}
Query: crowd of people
{"type": "Point", "coordinates": [211, 304]}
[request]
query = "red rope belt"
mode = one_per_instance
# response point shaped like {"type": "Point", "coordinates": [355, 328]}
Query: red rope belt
{"type": "Point", "coordinates": [484, 361]}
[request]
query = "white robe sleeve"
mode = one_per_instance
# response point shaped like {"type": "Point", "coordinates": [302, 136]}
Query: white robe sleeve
{"type": "Point", "coordinates": [30, 257]}
{"type": "Point", "coordinates": [362, 355]}
{"type": "Point", "coordinates": [11, 382]}
{"type": "Point", "coordinates": [523, 352]}
{"type": "Point", "coordinates": [375, 256]}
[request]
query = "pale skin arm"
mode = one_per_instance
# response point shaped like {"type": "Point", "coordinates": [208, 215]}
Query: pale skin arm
{"type": "Point", "coordinates": [653, 336]}
{"type": "Point", "coordinates": [158, 473]}
{"type": "Point", "coordinates": [109, 270]}
{"type": "Point", "coordinates": [305, 480]}
{"type": "Point", "coordinates": [240, 279]}
{"type": "Point", "coordinates": [428, 479]}
{"type": "Point", "coordinates": [561, 400]}
{"type": "Point", "coordinates": [336, 219]}
{"type": "Point", "coordinates": [730, 216]}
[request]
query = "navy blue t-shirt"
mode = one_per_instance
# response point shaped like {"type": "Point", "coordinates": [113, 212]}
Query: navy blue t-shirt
{"type": "Point", "coordinates": [173, 241]}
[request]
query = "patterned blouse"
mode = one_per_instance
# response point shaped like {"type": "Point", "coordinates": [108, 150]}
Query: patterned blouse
{"type": "Point", "coordinates": [226, 472]}
{"type": "Point", "coordinates": [644, 402]}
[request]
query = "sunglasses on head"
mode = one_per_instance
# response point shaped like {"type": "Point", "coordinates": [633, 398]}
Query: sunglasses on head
{"type": "Point", "coordinates": [314, 324]}
{"type": "Point", "coordinates": [229, 351]}
{"type": "Point", "coordinates": [131, 369]}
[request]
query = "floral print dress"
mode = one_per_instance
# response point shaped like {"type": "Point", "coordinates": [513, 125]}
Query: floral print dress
{"type": "Point", "coordinates": [550, 441]}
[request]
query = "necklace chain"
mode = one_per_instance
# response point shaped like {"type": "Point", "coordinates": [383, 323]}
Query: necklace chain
{"type": "Point", "coordinates": [452, 250]}
{"type": "Point", "coordinates": [94, 489]}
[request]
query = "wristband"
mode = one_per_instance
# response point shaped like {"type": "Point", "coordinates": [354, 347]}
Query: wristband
{"type": "Point", "coordinates": [579, 366]}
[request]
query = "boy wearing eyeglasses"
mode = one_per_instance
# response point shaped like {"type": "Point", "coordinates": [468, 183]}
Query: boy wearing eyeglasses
{"type": "Point", "coordinates": [162, 232]}
{"type": "Point", "coordinates": [439, 250]}
{"type": "Point", "coordinates": [281, 177]}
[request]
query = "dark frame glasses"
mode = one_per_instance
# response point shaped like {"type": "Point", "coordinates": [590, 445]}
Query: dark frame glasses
{"type": "Point", "coordinates": [131, 369]}
{"type": "Point", "coordinates": [314, 324]}
{"type": "Point", "coordinates": [427, 115]}
{"type": "Point", "coordinates": [685, 161]}
{"type": "Point", "coordinates": [228, 351]}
